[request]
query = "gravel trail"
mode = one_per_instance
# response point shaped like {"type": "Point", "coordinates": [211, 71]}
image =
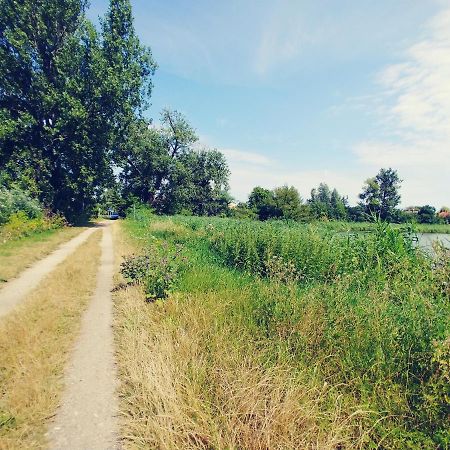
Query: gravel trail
{"type": "Point", "coordinates": [87, 417]}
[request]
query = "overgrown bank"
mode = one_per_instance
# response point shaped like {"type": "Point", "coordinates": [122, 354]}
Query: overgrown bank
{"type": "Point", "coordinates": [275, 339]}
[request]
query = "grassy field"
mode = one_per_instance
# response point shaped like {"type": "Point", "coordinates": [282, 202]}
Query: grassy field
{"type": "Point", "coordinates": [271, 337]}
{"type": "Point", "coordinates": [16, 255]}
{"type": "Point", "coordinates": [35, 343]}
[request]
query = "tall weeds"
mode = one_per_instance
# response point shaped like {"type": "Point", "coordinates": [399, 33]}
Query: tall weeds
{"type": "Point", "coordinates": [358, 323]}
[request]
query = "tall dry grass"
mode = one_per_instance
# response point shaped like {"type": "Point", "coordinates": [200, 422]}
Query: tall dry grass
{"type": "Point", "coordinates": [35, 343]}
{"type": "Point", "coordinates": [190, 379]}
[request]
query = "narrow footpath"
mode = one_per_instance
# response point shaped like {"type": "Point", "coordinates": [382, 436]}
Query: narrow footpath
{"type": "Point", "coordinates": [87, 417]}
{"type": "Point", "coordinates": [16, 290]}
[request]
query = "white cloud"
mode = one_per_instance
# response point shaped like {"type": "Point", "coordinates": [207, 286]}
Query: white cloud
{"type": "Point", "coordinates": [416, 117]}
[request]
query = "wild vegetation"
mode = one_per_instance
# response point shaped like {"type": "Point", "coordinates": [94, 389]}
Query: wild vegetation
{"type": "Point", "coordinates": [280, 336]}
{"type": "Point", "coordinates": [22, 215]}
{"type": "Point", "coordinates": [379, 199]}
{"type": "Point", "coordinates": [265, 327]}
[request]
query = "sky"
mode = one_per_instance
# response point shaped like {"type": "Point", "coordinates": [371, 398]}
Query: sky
{"type": "Point", "coordinates": [300, 92]}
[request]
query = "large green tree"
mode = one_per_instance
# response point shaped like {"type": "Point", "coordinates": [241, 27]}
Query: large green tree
{"type": "Point", "coordinates": [262, 202]}
{"type": "Point", "coordinates": [66, 98]}
{"type": "Point", "coordinates": [129, 67]}
{"type": "Point", "coordinates": [163, 167]}
{"type": "Point", "coordinates": [288, 203]}
{"type": "Point", "coordinates": [380, 195]}
{"type": "Point", "coordinates": [327, 203]}
{"type": "Point", "coordinates": [427, 214]}
{"type": "Point", "coordinates": [197, 184]}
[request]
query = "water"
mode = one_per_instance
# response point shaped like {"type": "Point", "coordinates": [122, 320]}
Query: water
{"type": "Point", "coordinates": [426, 239]}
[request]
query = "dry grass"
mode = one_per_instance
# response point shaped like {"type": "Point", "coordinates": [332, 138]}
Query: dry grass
{"type": "Point", "coordinates": [15, 256]}
{"type": "Point", "coordinates": [35, 343]}
{"type": "Point", "coordinates": [190, 382]}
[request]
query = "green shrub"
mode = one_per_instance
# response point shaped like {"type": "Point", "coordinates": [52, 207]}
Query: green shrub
{"type": "Point", "coordinates": [158, 271]}
{"type": "Point", "coordinates": [19, 225]}
{"type": "Point", "coordinates": [13, 201]}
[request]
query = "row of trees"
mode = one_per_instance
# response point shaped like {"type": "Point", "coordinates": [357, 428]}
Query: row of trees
{"type": "Point", "coordinates": [380, 197]}
{"type": "Point", "coordinates": [164, 168]}
{"type": "Point", "coordinates": [72, 126]}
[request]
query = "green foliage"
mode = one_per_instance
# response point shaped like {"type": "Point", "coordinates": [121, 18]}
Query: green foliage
{"type": "Point", "coordinates": [327, 204]}
{"type": "Point", "coordinates": [14, 200]}
{"type": "Point", "coordinates": [427, 214]}
{"type": "Point", "coordinates": [281, 203]}
{"type": "Point", "coordinates": [162, 168]}
{"type": "Point", "coordinates": [242, 211]}
{"type": "Point", "coordinates": [67, 96]}
{"type": "Point", "coordinates": [20, 225]}
{"type": "Point", "coordinates": [158, 271]}
{"type": "Point", "coordinates": [287, 203]}
{"type": "Point", "coordinates": [368, 314]}
{"type": "Point", "coordinates": [262, 202]}
{"type": "Point", "coordinates": [380, 194]}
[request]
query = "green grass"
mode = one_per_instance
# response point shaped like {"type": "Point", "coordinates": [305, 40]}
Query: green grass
{"type": "Point", "coordinates": [366, 316]}
{"type": "Point", "coordinates": [370, 226]}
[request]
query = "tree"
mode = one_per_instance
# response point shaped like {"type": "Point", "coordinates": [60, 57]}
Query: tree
{"type": "Point", "coordinates": [198, 184]}
{"type": "Point", "coordinates": [380, 194]}
{"type": "Point", "coordinates": [35, 38]}
{"type": "Point", "coordinates": [287, 203]}
{"type": "Point", "coordinates": [427, 214]}
{"type": "Point", "coordinates": [128, 72]}
{"type": "Point", "coordinates": [163, 168]}
{"type": "Point", "coordinates": [338, 206]}
{"type": "Point", "coordinates": [65, 94]}
{"type": "Point", "coordinates": [327, 203]}
{"type": "Point", "coordinates": [262, 202]}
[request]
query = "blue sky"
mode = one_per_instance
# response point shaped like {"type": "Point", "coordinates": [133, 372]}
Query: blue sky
{"type": "Point", "coordinates": [301, 91]}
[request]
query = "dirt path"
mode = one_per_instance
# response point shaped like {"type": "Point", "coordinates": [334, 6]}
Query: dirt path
{"type": "Point", "coordinates": [87, 415]}
{"type": "Point", "coordinates": [16, 290]}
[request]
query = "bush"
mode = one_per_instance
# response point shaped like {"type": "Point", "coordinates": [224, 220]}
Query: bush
{"type": "Point", "coordinates": [369, 312]}
{"type": "Point", "coordinates": [157, 271]}
{"type": "Point", "coordinates": [14, 201]}
{"type": "Point", "coordinates": [19, 225]}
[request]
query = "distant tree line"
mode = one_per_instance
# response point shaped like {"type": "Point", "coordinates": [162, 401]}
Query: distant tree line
{"type": "Point", "coordinates": [379, 198]}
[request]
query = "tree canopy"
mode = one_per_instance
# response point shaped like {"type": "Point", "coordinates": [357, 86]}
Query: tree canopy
{"type": "Point", "coordinates": [164, 168]}
{"type": "Point", "coordinates": [380, 195]}
{"type": "Point", "coordinates": [67, 95]}
{"type": "Point", "coordinates": [326, 203]}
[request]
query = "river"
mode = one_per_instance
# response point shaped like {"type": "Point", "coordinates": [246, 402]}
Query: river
{"type": "Point", "coordinates": [426, 239]}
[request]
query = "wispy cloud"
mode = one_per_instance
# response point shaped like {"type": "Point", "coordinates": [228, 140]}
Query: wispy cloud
{"type": "Point", "coordinates": [282, 36]}
{"type": "Point", "coordinates": [416, 115]}
{"type": "Point", "coordinates": [245, 157]}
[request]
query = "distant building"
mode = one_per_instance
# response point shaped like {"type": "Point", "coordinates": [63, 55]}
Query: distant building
{"type": "Point", "coordinates": [413, 210]}
{"type": "Point", "coordinates": [444, 214]}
